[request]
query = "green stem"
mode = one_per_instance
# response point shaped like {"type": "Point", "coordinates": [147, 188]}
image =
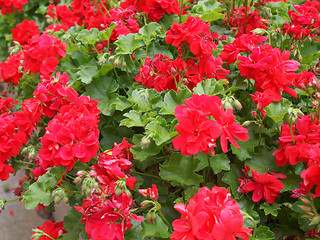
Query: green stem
{"type": "Point", "coordinates": [133, 63]}
{"type": "Point", "coordinates": [147, 174]}
{"type": "Point", "coordinates": [164, 219]}
{"type": "Point", "coordinates": [291, 132]}
{"type": "Point", "coordinates": [24, 162]}
{"type": "Point", "coordinates": [105, 8]}
{"type": "Point", "coordinates": [95, 1]}
{"type": "Point", "coordinates": [245, 16]}
{"type": "Point", "coordinates": [181, 9]}
{"type": "Point", "coordinates": [254, 226]}
{"type": "Point", "coordinates": [12, 200]}
{"type": "Point", "coordinates": [48, 236]}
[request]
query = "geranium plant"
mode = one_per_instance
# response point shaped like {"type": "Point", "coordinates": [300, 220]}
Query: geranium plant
{"type": "Point", "coordinates": [163, 119]}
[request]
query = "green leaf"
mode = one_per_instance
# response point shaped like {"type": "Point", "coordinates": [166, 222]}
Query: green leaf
{"type": "Point", "coordinates": [40, 191]}
{"type": "Point", "coordinates": [72, 223]}
{"type": "Point", "coordinates": [157, 228]}
{"type": "Point", "coordinates": [276, 111]}
{"type": "Point", "coordinates": [264, 233]}
{"type": "Point", "coordinates": [246, 149]}
{"type": "Point", "coordinates": [181, 169]}
{"type": "Point", "coordinates": [86, 72]}
{"type": "Point", "coordinates": [104, 70]}
{"type": "Point", "coordinates": [134, 119]}
{"type": "Point", "coordinates": [127, 44]}
{"type": "Point", "coordinates": [209, 87]}
{"type": "Point", "coordinates": [263, 161]}
{"type": "Point", "coordinates": [113, 102]}
{"type": "Point", "coordinates": [149, 32]}
{"type": "Point", "coordinates": [134, 232]}
{"type": "Point", "coordinates": [101, 87]}
{"type": "Point", "coordinates": [144, 99]}
{"type": "Point", "coordinates": [88, 36]}
{"type": "Point", "coordinates": [161, 134]}
{"type": "Point", "coordinates": [291, 182]}
{"type": "Point", "coordinates": [231, 178]}
{"type": "Point", "coordinates": [172, 99]}
{"type": "Point", "coordinates": [270, 209]}
{"type": "Point", "coordinates": [219, 162]}
{"type": "Point", "coordinates": [210, 16]}
{"type": "Point", "coordinates": [140, 153]}
{"type": "Point", "coordinates": [105, 35]}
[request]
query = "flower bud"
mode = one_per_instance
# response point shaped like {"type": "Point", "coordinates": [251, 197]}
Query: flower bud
{"type": "Point", "coordinates": [81, 173]}
{"type": "Point", "coordinates": [305, 208]}
{"type": "Point", "coordinates": [93, 173]}
{"type": "Point", "coordinates": [263, 114]}
{"type": "Point", "coordinates": [254, 114]}
{"type": "Point", "coordinates": [145, 142]}
{"type": "Point", "coordinates": [305, 201]}
{"type": "Point", "coordinates": [246, 123]}
{"type": "Point", "coordinates": [77, 180]}
{"type": "Point", "coordinates": [58, 194]}
{"type": "Point", "coordinates": [237, 104]}
{"type": "Point", "coordinates": [2, 203]}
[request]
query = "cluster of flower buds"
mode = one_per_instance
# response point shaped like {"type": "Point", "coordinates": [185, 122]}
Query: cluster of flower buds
{"type": "Point", "coordinates": [152, 194]}
{"type": "Point", "coordinates": [232, 103]}
{"type": "Point", "coordinates": [58, 195]}
{"type": "Point", "coordinates": [89, 181]}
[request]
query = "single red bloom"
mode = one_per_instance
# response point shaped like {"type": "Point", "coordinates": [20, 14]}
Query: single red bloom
{"type": "Point", "coordinates": [54, 230]}
{"type": "Point", "coordinates": [151, 193]}
{"type": "Point", "coordinates": [264, 186]}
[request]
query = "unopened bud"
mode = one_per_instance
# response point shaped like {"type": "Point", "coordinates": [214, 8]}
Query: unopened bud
{"type": "Point", "coordinates": [145, 142]}
{"type": "Point", "coordinates": [246, 123]}
{"type": "Point", "coordinates": [93, 173]}
{"type": "Point", "coordinates": [2, 203]}
{"type": "Point", "coordinates": [111, 59]}
{"type": "Point", "coordinates": [77, 180]}
{"type": "Point", "coordinates": [58, 194]}
{"type": "Point", "coordinates": [315, 220]}
{"type": "Point", "coordinates": [237, 104]}
{"type": "Point", "coordinates": [81, 173]}
{"type": "Point", "coordinates": [305, 201]}
{"type": "Point", "coordinates": [263, 114]}
{"type": "Point", "coordinates": [305, 208]}
{"type": "Point", "coordinates": [254, 114]}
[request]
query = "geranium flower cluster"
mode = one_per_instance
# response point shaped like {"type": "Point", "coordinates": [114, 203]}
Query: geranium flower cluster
{"type": "Point", "coordinates": [25, 31]}
{"type": "Point", "coordinates": [10, 6]}
{"type": "Point", "coordinates": [40, 55]}
{"type": "Point", "coordinates": [94, 15]}
{"type": "Point", "coordinates": [155, 9]}
{"type": "Point", "coordinates": [304, 22]}
{"type": "Point", "coordinates": [210, 214]}
{"type": "Point", "coordinates": [9, 70]}
{"type": "Point", "coordinates": [194, 35]}
{"type": "Point", "coordinates": [301, 143]}
{"type": "Point", "coordinates": [54, 230]}
{"type": "Point", "coordinates": [13, 135]}
{"type": "Point", "coordinates": [61, 14]}
{"type": "Point", "coordinates": [50, 95]}
{"type": "Point", "coordinates": [264, 186]}
{"type": "Point", "coordinates": [163, 73]}
{"type": "Point", "coordinates": [244, 43]}
{"type": "Point", "coordinates": [271, 70]}
{"type": "Point", "coordinates": [107, 213]}
{"type": "Point", "coordinates": [199, 132]}
{"type": "Point", "coordinates": [71, 135]}
{"type": "Point", "coordinates": [245, 24]}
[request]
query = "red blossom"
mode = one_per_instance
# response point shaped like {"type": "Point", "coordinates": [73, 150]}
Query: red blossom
{"type": "Point", "coordinates": [25, 31]}
{"type": "Point", "coordinates": [264, 186]}
{"type": "Point", "coordinates": [150, 193]}
{"type": "Point", "coordinates": [54, 230]}
{"type": "Point", "coordinates": [210, 214]}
